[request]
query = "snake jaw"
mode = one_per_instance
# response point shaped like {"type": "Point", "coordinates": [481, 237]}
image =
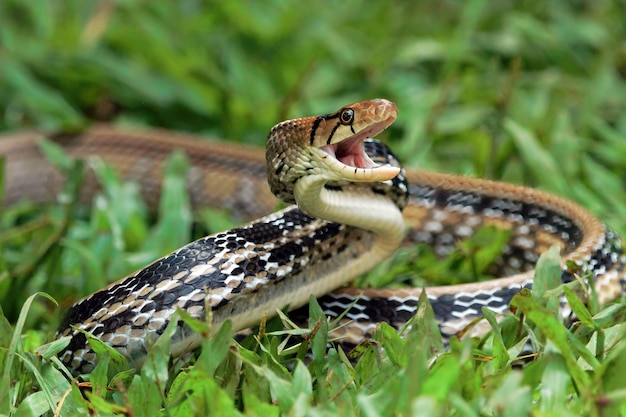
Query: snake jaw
{"type": "Point", "coordinates": [347, 160]}
{"type": "Point", "coordinates": [344, 142]}
{"type": "Point", "coordinates": [350, 152]}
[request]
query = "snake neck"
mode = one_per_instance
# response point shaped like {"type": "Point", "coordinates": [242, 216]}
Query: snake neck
{"type": "Point", "coordinates": [360, 208]}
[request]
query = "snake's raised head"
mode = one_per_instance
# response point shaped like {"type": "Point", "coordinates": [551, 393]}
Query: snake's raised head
{"type": "Point", "coordinates": [330, 145]}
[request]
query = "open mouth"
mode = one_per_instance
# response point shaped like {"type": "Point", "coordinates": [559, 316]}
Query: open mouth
{"type": "Point", "coordinates": [351, 152]}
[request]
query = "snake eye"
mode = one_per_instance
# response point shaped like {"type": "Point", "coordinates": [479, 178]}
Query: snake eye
{"type": "Point", "coordinates": [346, 117]}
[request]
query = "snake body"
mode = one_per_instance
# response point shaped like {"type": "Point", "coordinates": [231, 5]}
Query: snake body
{"type": "Point", "coordinates": [282, 258]}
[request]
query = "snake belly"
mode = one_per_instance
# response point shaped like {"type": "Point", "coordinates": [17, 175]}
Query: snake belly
{"type": "Point", "coordinates": [441, 210]}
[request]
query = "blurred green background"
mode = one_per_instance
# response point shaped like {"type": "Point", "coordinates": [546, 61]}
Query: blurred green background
{"type": "Point", "coordinates": [530, 92]}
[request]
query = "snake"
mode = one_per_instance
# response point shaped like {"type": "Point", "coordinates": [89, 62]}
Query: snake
{"type": "Point", "coordinates": [351, 206]}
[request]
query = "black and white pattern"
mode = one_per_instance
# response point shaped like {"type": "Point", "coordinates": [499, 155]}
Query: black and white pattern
{"type": "Point", "coordinates": [227, 272]}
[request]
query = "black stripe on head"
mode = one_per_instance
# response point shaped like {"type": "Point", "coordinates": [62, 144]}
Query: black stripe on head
{"type": "Point", "coordinates": [316, 124]}
{"type": "Point", "coordinates": [332, 133]}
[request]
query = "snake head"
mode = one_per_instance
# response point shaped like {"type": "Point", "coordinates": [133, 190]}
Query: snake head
{"type": "Point", "coordinates": [330, 145]}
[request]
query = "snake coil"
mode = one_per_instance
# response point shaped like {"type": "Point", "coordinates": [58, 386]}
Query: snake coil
{"type": "Point", "coordinates": [349, 220]}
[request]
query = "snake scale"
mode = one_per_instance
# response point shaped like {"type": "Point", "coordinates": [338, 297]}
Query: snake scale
{"type": "Point", "coordinates": [350, 190]}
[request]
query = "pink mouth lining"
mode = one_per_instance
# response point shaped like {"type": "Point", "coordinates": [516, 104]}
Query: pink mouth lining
{"type": "Point", "coordinates": [351, 151]}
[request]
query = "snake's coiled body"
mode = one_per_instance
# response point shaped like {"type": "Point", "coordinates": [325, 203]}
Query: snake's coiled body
{"type": "Point", "coordinates": [245, 272]}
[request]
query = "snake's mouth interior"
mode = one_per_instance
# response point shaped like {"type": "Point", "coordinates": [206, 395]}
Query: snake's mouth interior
{"type": "Point", "coordinates": [350, 152]}
{"type": "Point", "coordinates": [349, 160]}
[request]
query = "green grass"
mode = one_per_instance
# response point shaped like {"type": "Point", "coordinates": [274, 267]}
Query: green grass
{"type": "Point", "coordinates": [526, 92]}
